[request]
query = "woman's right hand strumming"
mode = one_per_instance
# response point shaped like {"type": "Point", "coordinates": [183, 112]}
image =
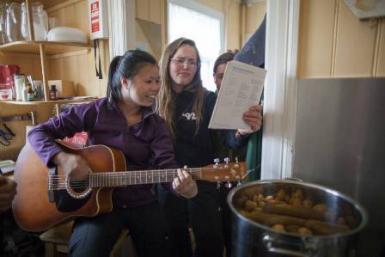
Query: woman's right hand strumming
{"type": "Point", "coordinates": [72, 165]}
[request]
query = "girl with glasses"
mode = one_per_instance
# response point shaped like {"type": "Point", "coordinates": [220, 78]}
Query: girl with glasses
{"type": "Point", "coordinates": [186, 107]}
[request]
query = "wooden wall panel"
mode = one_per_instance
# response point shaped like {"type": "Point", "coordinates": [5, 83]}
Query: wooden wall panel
{"type": "Point", "coordinates": [317, 22]}
{"type": "Point", "coordinates": [355, 45]}
{"type": "Point", "coordinates": [81, 10]}
{"type": "Point", "coordinates": [335, 43]}
{"type": "Point", "coordinates": [155, 11]}
{"type": "Point", "coordinates": [231, 11]}
{"type": "Point", "coordinates": [78, 67]}
{"type": "Point", "coordinates": [42, 111]}
{"type": "Point", "coordinates": [81, 70]}
{"type": "Point", "coordinates": [254, 17]}
{"type": "Point", "coordinates": [380, 56]}
{"type": "Point", "coordinates": [28, 66]}
{"type": "Point", "coordinates": [142, 9]}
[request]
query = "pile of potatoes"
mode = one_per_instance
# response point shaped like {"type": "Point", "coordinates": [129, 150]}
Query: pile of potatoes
{"type": "Point", "coordinates": [292, 211]}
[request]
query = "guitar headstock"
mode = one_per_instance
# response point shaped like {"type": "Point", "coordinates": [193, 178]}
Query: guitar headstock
{"type": "Point", "coordinates": [226, 172]}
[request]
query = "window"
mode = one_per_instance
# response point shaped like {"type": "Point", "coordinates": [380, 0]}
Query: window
{"type": "Point", "coordinates": [201, 24]}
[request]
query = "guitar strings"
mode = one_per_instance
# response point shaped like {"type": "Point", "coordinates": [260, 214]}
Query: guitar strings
{"type": "Point", "coordinates": [59, 181]}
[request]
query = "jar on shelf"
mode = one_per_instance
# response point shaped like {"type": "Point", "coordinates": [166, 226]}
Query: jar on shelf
{"type": "Point", "coordinates": [19, 82]}
{"type": "Point", "coordinates": [3, 17]}
{"type": "Point", "coordinates": [12, 23]}
{"type": "Point", "coordinates": [30, 92]}
{"type": "Point", "coordinates": [40, 21]}
{"type": "Point", "coordinates": [52, 92]}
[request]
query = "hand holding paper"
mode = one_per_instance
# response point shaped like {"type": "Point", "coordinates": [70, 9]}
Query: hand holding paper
{"type": "Point", "coordinates": [241, 90]}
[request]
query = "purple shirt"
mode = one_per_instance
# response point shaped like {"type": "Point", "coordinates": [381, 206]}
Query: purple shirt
{"type": "Point", "coordinates": [146, 145]}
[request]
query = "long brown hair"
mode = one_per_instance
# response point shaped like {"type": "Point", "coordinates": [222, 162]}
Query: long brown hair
{"type": "Point", "coordinates": [166, 98]}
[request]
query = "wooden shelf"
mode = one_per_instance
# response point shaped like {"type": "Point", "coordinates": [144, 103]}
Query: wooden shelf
{"type": "Point", "coordinates": [51, 48]}
{"type": "Point", "coordinates": [46, 3]}
{"type": "Point", "coordinates": [76, 99]}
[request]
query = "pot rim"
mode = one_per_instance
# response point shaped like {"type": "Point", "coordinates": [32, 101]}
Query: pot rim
{"type": "Point", "coordinates": [354, 203]}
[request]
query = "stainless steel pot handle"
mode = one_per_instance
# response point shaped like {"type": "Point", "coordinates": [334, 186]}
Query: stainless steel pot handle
{"type": "Point", "coordinates": [272, 245]}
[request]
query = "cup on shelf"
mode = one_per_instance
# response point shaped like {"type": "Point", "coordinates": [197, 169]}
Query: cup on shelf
{"type": "Point", "coordinates": [6, 94]}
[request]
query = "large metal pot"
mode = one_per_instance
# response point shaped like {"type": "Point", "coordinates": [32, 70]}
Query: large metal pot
{"type": "Point", "coordinates": [251, 238]}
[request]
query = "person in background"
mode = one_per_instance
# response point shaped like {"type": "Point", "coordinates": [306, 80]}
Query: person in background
{"type": "Point", "coordinates": [187, 107]}
{"type": "Point", "coordinates": [220, 66]}
{"type": "Point", "coordinates": [7, 193]}
{"type": "Point", "coordinates": [224, 151]}
{"type": "Point", "coordinates": [123, 120]}
{"type": "Point", "coordinates": [218, 72]}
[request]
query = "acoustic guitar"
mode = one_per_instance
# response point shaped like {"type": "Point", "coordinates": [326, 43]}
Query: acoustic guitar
{"type": "Point", "coordinates": [45, 197]}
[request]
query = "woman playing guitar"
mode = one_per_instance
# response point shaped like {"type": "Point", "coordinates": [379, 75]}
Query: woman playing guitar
{"type": "Point", "coordinates": [122, 120]}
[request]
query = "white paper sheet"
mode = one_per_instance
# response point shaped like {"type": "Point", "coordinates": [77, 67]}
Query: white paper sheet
{"type": "Point", "coordinates": [241, 88]}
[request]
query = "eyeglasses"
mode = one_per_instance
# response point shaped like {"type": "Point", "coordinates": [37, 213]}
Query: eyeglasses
{"type": "Point", "coordinates": [182, 61]}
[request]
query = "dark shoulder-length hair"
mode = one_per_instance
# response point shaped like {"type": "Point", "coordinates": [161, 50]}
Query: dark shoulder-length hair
{"type": "Point", "coordinates": [224, 58]}
{"type": "Point", "coordinates": [125, 66]}
{"type": "Point", "coordinates": [166, 98]}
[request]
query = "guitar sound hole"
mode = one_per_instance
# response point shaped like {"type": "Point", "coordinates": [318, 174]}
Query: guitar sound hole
{"type": "Point", "coordinates": [79, 186]}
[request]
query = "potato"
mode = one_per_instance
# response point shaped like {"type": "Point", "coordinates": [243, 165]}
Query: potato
{"type": "Point", "coordinates": [321, 207]}
{"type": "Point", "coordinates": [250, 205]}
{"type": "Point", "coordinates": [296, 202]}
{"type": "Point", "coordinates": [240, 201]}
{"type": "Point", "coordinates": [304, 231]}
{"type": "Point", "coordinates": [298, 194]}
{"type": "Point", "coordinates": [280, 195]}
{"type": "Point", "coordinates": [307, 203]}
{"type": "Point", "coordinates": [278, 227]}
{"type": "Point", "coordinates": [292, 228]}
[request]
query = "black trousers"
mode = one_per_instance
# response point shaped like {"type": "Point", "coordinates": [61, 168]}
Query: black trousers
{"type": "Point", "coordinates": [202, 213]}
{"type": "Point", "coordinates": [95, 237]}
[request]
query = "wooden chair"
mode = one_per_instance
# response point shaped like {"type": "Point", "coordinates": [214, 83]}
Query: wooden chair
{"type": "Point", "coordinates": [56, 242]}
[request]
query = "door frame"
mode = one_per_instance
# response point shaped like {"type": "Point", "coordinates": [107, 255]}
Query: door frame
{"type": "Point", "coordinates": [280, 95]}
{"type": "Point", "coordinates": [121, 37]}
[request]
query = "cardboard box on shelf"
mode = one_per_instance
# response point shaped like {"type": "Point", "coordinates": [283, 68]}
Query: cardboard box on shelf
{"type": "Point", "coordinates": [64, 88]}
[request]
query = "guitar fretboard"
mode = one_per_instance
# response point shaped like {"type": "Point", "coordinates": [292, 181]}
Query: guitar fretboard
{"type": "Point", "coordinates": [125, 178]}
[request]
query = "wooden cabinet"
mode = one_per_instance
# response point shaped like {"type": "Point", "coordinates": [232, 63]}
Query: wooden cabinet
{"type": "Point", "coordinates": [54, 61]}
{"type": "Point", "coordinates": [19, 116]}
{"type": "Point", "coordinates": [43, 48]}
{"type": "Point", "coordinates": [151, 25]}
{"type": "Point", "coordinates": [149, 10]}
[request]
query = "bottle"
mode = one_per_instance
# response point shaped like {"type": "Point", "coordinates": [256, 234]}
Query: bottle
{"type": "Point", "coordinates": [19, 82]}
{"type": "Point", "coordinates": [52, 92]}
{"type": "Point", "coordinates": [28, 91]}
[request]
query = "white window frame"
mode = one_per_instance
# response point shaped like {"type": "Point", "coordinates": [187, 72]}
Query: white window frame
{"type": "Point", "coordinates": [121, 38]}
{"type": "Point", "coordinates": [195, 6]}
{"type": "Point", "coordinates": [280, 99]}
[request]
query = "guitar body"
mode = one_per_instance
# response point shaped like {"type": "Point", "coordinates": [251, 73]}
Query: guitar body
{"type": "Point", "coordinates": [31, 207]}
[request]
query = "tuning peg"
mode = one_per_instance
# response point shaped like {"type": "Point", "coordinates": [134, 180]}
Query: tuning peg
{"type": "Point", "coordinates": [236, 165]}
{"type": "Point", "coordinates": [216, 162]}
{"type": "Point", "coordinates": [228, 185]}
{"type": "Point", "coordinates": [218, 185]}
{"type": "Point", "coordinates": [239, 183]}
{"type": "Point", "coordinates": [226, 160]}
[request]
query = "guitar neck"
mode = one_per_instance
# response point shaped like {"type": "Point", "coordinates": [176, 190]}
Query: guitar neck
{"type": "Point", "coordinates": [126, 178]}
